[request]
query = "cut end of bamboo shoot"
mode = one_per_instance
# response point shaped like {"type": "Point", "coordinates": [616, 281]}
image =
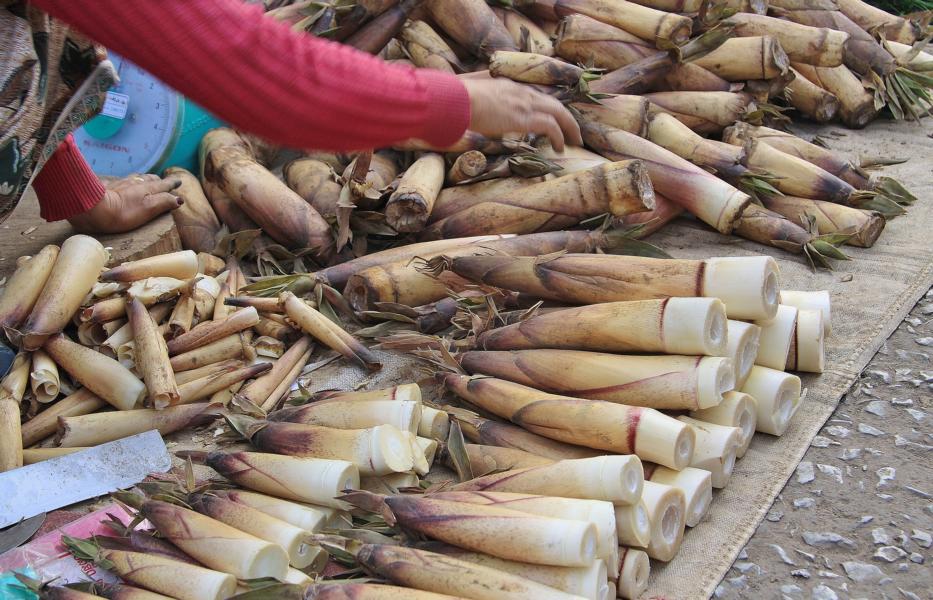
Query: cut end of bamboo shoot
{"type": "Point", "coordinates": [777, 395]}
{"type": "Point", "coordinates": [681, 316]}
{"type": "Point", "coordinates": [804, 300]}
{"type": "Point", "coordinates": [748, 285]}
{"type": "Point", "coordinates": [742, 348]}
{"type": "Point", "coordinates": [633, 579]}
{"type": "Point", "coordinates": [806, 349]}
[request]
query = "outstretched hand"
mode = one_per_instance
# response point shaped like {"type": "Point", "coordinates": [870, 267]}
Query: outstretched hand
{"type": "Point", "coordinates": [500, 106]}
{"type": "Point", "coordinates": [129, 203]}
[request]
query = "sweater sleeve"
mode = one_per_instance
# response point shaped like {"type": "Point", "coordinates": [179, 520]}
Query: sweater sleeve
{"type": "Point", "coordinates": [259, 75]}
{"type": "Point", "coordinates": [66, 186]}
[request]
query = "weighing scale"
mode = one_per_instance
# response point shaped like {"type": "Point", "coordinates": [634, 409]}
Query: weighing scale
{"type": "Point", "coordinates": [144, 127]}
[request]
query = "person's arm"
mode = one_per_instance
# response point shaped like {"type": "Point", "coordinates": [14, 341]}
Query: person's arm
{"type": "Point", "coordinates": [257, 74]}
{"type": "Point", "coordinates": [67, 189]}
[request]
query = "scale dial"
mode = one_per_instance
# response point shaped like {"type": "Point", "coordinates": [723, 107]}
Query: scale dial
{"type": "Point", "coordinates": [138, 127]}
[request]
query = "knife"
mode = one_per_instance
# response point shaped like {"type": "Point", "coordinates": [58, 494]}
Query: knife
{"type": "Point", "coordinates": [50, 484]}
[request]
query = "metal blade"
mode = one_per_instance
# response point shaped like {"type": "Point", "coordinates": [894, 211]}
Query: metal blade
{"type": "Point", "coordinates": [17, 534]}
{"type": "Point", "coordinates": [47, 485]}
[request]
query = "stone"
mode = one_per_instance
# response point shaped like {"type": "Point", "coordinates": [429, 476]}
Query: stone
{"type": "Point", "coordinates": [748, 567]}
{"type": "Point", "coordinates": [889, 553]}
{"type": "Point", "coordinates": [823, 592]}
{"type": "Point", "coordinates": [740, 582]}
{"type": "Point", "coordinates": [876, 407]}
{"type": "Point", "coordinates": [866, 519]}
{"type": "Point", "coordinates": [923, 538]}
{"type": "Point", "coordinates": [902, 402]}
{"type": "Point", "coordinates": [879, 536]}
{"type": "Point", "coordinates": [907, 594]}
{"type": "Point", "coordinates": [801, 573]}
{"type": "Point", "coordinates": [782, 554]}
{"type": "Point", "coordinates": [805, 472]}
{"type": "Point", "coordinates": [834, 472]}
{"type": "Point", "coordinates": [924, 341]}
{"type": "Point", "coordinates": [827, 538]}
{"type": "Point", "coordinates": [774, 515]}
{"type": "Point", "coordinates": [791, 589]}
{"type": "Point", "coordinates": [885, 474]}
{"type": "Point", "coordinates": [804, 503]}
{"type": "Point", "coordinates": [851, 453]}
{"type": "Point", "coordinates": [869, 430]}
{"type": "Point", "coordinates": [915, 557]}
{"type": "Point", "coordinates": [838, 431]}
{"type": "Point", "coordinates": [860, 572]}
{"type": "Point", "coordinates": [918, 415]}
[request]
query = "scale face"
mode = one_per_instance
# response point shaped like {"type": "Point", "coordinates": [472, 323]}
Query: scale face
{"type": "Point", "coordinates": [138, 127]}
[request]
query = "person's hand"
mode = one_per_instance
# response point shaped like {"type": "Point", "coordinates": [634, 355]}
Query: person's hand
{"type": "Point", "coordinates": [500, 106]}
{"type": "Point", "coordinates": [129, 203]}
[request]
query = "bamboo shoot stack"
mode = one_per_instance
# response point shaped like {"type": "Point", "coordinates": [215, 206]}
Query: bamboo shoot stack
{"type": "Point", "coordinates": [806, 348]}
{"type": "Point", "coordinates": [651, 25]}
{"type": "Point", "coordinates": [716, 449]}
{"type": "Point", "coordinates": [738, 410]}
{"type": "Point", "coordinates": [24, 287]}
{"type": "Point", "coordinates": [776, 337]}
{"type": "Point", "coordinates": [485, 431]}
{"type": "Point", "coordinates": [12, 388]}
{"type": "Point", "coordinates": [695, 484]}
{"type": "Point", "coordinates": [744, 58]}
{"type": "Point", "coordinates": [777, 397]}
{"type": "Point", "coordinates": [818, 300]}
{"type": "Point", "coordinates": [410, 205]}
{"type": "Point", "coordinates": [666, 508]}
{"type": "Point", "coordinates": [817, 46]}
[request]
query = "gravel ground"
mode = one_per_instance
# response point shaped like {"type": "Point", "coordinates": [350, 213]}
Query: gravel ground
{"type": "Point", "coordinates": [856, 519]}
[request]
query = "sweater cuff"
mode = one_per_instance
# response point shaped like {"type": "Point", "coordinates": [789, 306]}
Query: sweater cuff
{"type": "Point", "coordinates": [66, 186]}
{"type": "Point", "coordinates": [448, 112]}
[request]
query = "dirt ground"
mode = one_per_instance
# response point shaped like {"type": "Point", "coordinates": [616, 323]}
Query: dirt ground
{"type": "Point", "coordinates": [856, 519]}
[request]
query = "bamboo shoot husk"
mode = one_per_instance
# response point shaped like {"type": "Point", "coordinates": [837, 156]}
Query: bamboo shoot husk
{"type": "Point", "coordinates": [24, 287]}
{"type": "Point", "coordinates": [504, 533]}
{"type": "Point", "coordinates": [692, 326]}
{"type": "Point", "coordinates": [12, 389]}
{"type": "Point", "coordinates": [633, 528]}
{"type": "Point", "coordinates": [195, 220]}
{"type": "Point", "coordinates": [584, 40]}
{"type": "Point", "coordinates": [410, 205]}
{"type": "Point", "coordinates": [216, 544]}
{"type": "Point", "coordinates": [619, 188]}
{"type": "Point", "coordinates": [403, 283]}
{"type": "Point", "coordinates": [151, 357]}
{"type": "Point", "coordinates": [269, 328]}
{"type": "Point", "coordinates": [266, 305]}
{"type": "Point", "coordinates": [281, 213]}
{"type": "Point", "coordinates": [466, 166]}
{"type": "Point", "coordinates": [294, 542]}
{"type": "Point", "coordinates": [182, 316]}
{"type": "Point", "coordinates": [506, 435]}
{"type": "Point", "coordinates": [213, 331]}
{"type": "Point", "coordinates": [486, 459]}
{"type": "Point", "coordinates": [44, 424]}
{"type": "Point", "coordinates": [703, 112]}
{"type": "Point", "coordinates": [98, 428]}
{"type": "Point", "coordinates": [429, 571]}
{"type": "Point", "coordinates": [462, 197]}
{"type": "Point", "coordinates": [102, 375]}
{"type": "Point", "coordinates": [281, 391]}
{"type": "Point", "coordinates": [43, 378]}
{"type": "Point", "coordinates": [269, 347]}
{"type": "Point", "coordinates": [696, 485]}
{"type": "Point", "coordinates": [199, 389]}
{"type": "Point", "coordinates": [35, 455]}
{"type": "Point", "coordinates": [526, 34]}
{"type": "Point", "coordinates": [737, 409]}
{"type": "Point", "coordinates": [777, 397]}
{"type": "Point", "coordinates": [868, 17]}
{"type": "Point", "coordinates": [209, 264]}
{"type": "Point", "coordinates": [420, 454]}
{"type": "Point", "coordinates": [856, 104]}
{"type": "Point", "coordinates": [806, 348]}
{"type": "Point", "coordinates": [368, 591]}
{"type": "Point", "coordinates": [427, 49]}
{"type": "Point", "coordinates": [689, 77]}
{"type": "Point", "coordinates": [864, 226]}
{"type": "Point", "coordinates": [356, 415]}
{"type": "Point", "coordinates": [712, 200]}
{"type": "Point", "coordinates": [405, 392]}
{"type": "Point", "coordinates": [472, 24]}
{"type": "Point", "coordinates": [715, 450]}
{"type": "Point", "coordinates": [375, 451]}
{"type": "Point", "coordinates": [313, 480]}
{"type": "Point", "coordinates": [303, 516]}
{"type": "Point", "coordinates": [776, 338]}
{"type": "Point", "coordinates": [652, 25]}
{"type": "Point", "coordinates": [614, 479]}
{"type": "Point", "coordinates": [664, 212]}
{"type": "Point", "coordinates": [805, 300]}
{"type": "Point", "coordinates": [73, 274]}
{"type": "Point", "coordinates": [633, 581]}
{"type": "Point", "coordinates": [390, 483]}
{"type": "Point", "coordinates": [600, 514]}
{"type": "Point", "coordinates": [435, 424]}
{"type": "Point", "coordinates": [744, 58]}
{"type": "Point", "coordinates": [628, 113]}
{"type": "Point", "coordinates": [666, 508]}
{"type": "Point", "coordinates": [428, 448]}
{"type": "Point", "coordinates": [811, 100]}
{"type": "Point", "coordinates": [662, 381]}
{"type": "Point", "coordinates": [174, 578]}
{"type": "Point", "coordinates": [587, 582]}
{"type": "Point", "coordinates": [816, 46]}
{"type": "Point", "coordinates": [156, 289]}
{"type": "Point", "coordinates": [259, 391]}
{"type": "Point", "coordinates": [226, 348]}
{"type": "Point", "coordinates": [673, 134]}
{"type": "Point", "coordinates": [748, 286]}
{"type": "Point", "coordinates": [326, 331]}
{"type": "Point", "coordinates": [315, 182]}
{"type": "Point", "coordinates": [527, 67]}
{"type": "Point", "coordinates": [178, 265]}
{"type": "Point", "coordinates": [211, 369]}
{"type": "Point", "coordinates": [104, 310]}
{"type": "Point", "coordinates": [593, 423]}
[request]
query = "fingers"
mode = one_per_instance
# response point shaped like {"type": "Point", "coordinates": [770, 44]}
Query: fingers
{"type": "Point", "coordinates": [561, 117]}
{"type": "Point", "coordinates": [152, 206]}
{"type": "Point", "coordinates": [544, 124]}
{"type": "Point", "coordinates": [158, 186]}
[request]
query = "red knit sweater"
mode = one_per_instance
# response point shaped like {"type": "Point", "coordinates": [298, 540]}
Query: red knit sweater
{"type": "Point", "coordinates": [258, 75]}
